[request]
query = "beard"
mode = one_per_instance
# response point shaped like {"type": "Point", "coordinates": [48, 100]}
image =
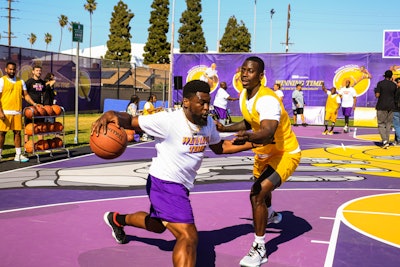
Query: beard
{"type": "Point", "coordinates": [200, 120]}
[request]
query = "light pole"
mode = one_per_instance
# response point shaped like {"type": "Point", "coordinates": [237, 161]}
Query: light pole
{"type": "Point", "coordinates": [272, 12]}
{"type": "Point", "coordinates": [170, 104]}
{"type": "Point", "coordinates": [255, 19]}
{"type": "Point", "coordinates": [218, 26]}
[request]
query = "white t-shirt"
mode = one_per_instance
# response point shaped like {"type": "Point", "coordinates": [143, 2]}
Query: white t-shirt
{"type": "Point", "coordinates": [221, 98]}
{"type": "Point", "coordinates": [132, 109]}
{"type": "Point", "coordinates": [348, 95]}
{"type": "Point", "coordinates": [279, 93]}
{"type": "Point", "coordinates": [179, 151]}
{"type": "Point", "coordinates": [267, 106]}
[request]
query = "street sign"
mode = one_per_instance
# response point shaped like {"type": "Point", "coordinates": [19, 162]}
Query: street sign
{"type": "Point", "coordinates": [77, 32]}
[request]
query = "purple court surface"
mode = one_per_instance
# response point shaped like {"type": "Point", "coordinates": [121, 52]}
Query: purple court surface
{"type": "Point", "coordinates": [340, 208]}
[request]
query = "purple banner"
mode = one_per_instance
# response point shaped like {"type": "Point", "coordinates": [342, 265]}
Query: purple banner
{"type": "Point", "coordinates": [364, 70]}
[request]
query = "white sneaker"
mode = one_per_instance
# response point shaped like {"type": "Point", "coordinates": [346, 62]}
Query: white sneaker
{"type": "Point", "coordinates": [21, 158]}
{"type": "Point", "coordinates": [256, 256]}
{"type": "Point", "coordinates": [345, 129]}
{"type": "Point", "coordinates": [275, 217]}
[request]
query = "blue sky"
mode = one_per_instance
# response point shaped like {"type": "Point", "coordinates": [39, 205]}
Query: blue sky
{"type": "Point", "coordinates": [316, 26]}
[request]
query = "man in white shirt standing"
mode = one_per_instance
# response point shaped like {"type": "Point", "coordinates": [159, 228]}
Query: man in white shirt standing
{"type": "Point", "coordinates": [349, 99]}
{"type": "Point", "coordinates": [221, 103]}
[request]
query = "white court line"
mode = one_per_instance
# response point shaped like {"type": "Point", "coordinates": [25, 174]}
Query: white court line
{"type": "Point", "coordinates": [320, 242]}
{"type": "Point", "coordinates": [327, 218]}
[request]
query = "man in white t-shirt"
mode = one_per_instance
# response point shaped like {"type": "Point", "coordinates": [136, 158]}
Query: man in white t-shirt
{"type": "Point", "coordinates": [278, 91]}
{"type": "Point", "coordinates": [349, 99]}
{"type": "Point", "coordinates": [181, 139]}
{"type": "Point", "coordinates": [221, 103]}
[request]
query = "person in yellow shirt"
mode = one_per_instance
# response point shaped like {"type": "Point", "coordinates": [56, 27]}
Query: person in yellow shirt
{"type": "Point", "coordinates": [149, 106]}
{"type": "Point", "coordinates": [277, 151]}
{"type": "Point", "coordinates": [332, 105]}
{"type": "Point", "coordinates": [12, 90]}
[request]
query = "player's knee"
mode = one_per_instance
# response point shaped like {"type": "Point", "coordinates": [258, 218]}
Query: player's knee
{"type": "Point", "coordinates": [255, 190]}
{"type": "Point", "coordinates": [154, 225]}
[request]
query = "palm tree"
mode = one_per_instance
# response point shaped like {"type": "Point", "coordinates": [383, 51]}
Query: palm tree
{"type": "Point", "coordinates": [62, 20]}
{"type": "Point", "coordinates": [32, 39]}
{"type": "Point", "coordinates": [90, 6]}
{"type": "Point", "coordinates": [47, 39]}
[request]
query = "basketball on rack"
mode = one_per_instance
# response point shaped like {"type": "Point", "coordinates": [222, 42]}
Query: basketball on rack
{"type": "Point", "coordinates": [29, 112]}
{"type": "Point", "coordinates": [41, 110]}
{"type": "Point", "coordinates": [56, 109]}
{"type": "Point", "coordinates": [49, 110]}
{"type": "Point", "coordinates": [30, 129]}
{"type": "Point", "coordinates": [110, 145]}
{"type": "Point", "coordinates": [29, 146]}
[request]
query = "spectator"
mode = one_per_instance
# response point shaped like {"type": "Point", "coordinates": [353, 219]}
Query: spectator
{"type": "Point", "coordinates": [298, 105]}
{"type": "Point", "coordinates": [50, 93]}
{"type": "Point", "coordinates": [348, 95]}
{"type": "Point", "coordinates": [278, 91]}
{"type": "Point", "coordinates": [133, 105]}
{"type": "Point", "coordinates": [12, 90]}
{"type": "Point", "coordinates": [331, 108]}
{"type": "Point", "coordinates": [396, 113]}
{"type": "Point", "coordinates": [221, 102]}
{"type": "Point", "coordinates": [385, 92]}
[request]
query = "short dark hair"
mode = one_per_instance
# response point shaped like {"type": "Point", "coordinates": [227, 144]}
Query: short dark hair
{"type": "Point", "coordinates": [261, 65]}
{"type": "Point", "coordinates": [192, 87]}
{"type": "Point", "coordinates": [11, 63]}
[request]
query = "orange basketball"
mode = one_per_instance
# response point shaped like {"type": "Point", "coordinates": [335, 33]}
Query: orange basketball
{"type": "Point", "coordinates": [42, 145]}
{"type": "Point", "coordinates": [130, 134]}
{"type": "Point", "coordinates": [52, 143]}
{"type": "Point", "coordinates": [110, 145]}
{"type": "Point", "coordinates": [30, 111]}
{"type": "Point", "coordinates": [50, 127]}
{"type": "Point", "coordinates": [42, 127]}
{"type": "Point", "coordinates": [58, 127]}
{"type": "Point", "coordinates": [56, 109]}
{"type": "Point", "coordinates": [29, 146]}
{"type": "Point", "coordinates": [41, 111]}
{"type": "Point", "coordinates": [49, 110]}
{"type": "Point", "coordinates": [57, 142]}
{"type": "Point", "coordinates": [30, 129]}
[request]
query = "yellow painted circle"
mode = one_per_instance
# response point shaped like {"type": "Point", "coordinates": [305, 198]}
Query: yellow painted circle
{"type": "Point", "coordinates": [377, 216]}
{"type": "Point", "coordinates": [357, 77]}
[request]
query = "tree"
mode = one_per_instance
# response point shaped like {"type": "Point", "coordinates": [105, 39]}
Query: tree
{"type": "Point", "coordinates": [157, 49]}
{"type": "Point", "coordinates": [236, 37]}
{"type": "Point", "coordinates": [191, 35]}
{"type": "Point", "coordinates": [32, 39]}
{"type": "Point", "coordinates": [119, 43]}
{"type": "Point", "coordinates": [47, 39]}
{"type": "Point", "coordinates": [62, 20]}
{"type": "Point", "coordinates": [90, 6]}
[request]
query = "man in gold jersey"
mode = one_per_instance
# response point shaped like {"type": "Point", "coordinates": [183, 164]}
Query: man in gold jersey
{"type": "Point", "coordinates": [12, 90]}
{"type": "Point", "coordinates": [332, 105]}
{"type": "Point", "coordinates": [277, 151]}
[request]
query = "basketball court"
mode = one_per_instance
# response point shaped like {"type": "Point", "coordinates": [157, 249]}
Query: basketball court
{"type": "Point", "coordinates": [340, 208]}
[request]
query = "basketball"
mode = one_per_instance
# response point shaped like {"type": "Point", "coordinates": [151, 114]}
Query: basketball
{"type": "Point", "coordinates": [110, 145]}
{"type": "Point", "coordinates": [56, 109]}
{"type": "Point", "coordinates": [49, 110]}
{"type": "Point", "coordinates": [30, 129]}
{"type": "Point", "coordinates": [42, 145]}
{"type": "Point", "coordinates": [58, 142]}
{"type": "Point", "coordinates": [58, 127]}
{"type": "Point", "coordinates": [29, 146]}
{"type": "Point", "coordinates": [29, 112]}
{"type": "Point", "coordinates": [41, 111]}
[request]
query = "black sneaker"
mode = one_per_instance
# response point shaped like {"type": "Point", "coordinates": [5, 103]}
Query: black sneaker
{"type": "Point", "coordinates": [117, 232]}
